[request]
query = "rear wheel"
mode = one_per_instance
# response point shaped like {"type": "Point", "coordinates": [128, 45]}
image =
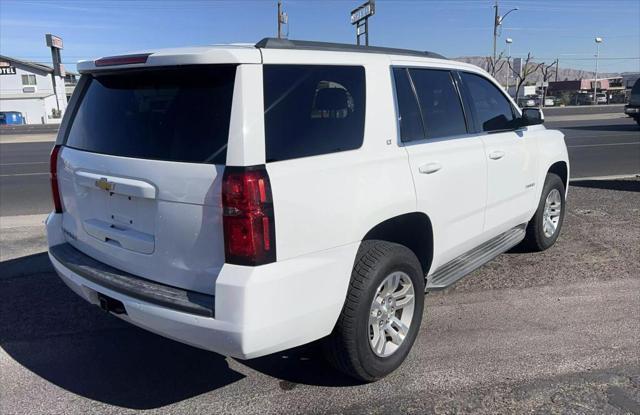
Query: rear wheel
{"type": "Point", "coordinates": [382, 313]}
{"type": "Point", "coordinates": [544, 227]}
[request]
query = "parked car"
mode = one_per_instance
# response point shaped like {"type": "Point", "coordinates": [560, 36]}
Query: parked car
{"type": "Point", "coordinates": [527, 102]}
{"type": "Point", "coordinates": [601, 98]}
{"type": "Point", "coordinates": [247, 200]}
{"type": "Point", "coordinates": [632, 109]}
{"type": "Point", "coordinates": [584, 99]}
{"type": "Point", "coordinates": [11, 118]}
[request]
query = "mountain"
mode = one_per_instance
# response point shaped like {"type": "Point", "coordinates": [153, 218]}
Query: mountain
{"type": "Point", "coordinates": [563, 73]}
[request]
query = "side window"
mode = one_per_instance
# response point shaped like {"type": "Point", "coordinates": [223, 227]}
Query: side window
{"type": "Point", "coordinates": [493, 110]}
{"type": "Point", "coordinates": [411, 127]}
{"type": "Point", "coordinates": [312, 109]}
{"type": "Point", "coordinates": [440, 103]}
{"type": "Point", "coordinates": [28, 79]}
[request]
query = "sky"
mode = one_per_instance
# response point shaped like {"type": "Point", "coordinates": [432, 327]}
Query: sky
{"type": "Point", "coordinates": [549, 29]}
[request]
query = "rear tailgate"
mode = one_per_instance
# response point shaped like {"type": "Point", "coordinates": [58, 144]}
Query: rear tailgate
{"type": "Point", "coordinates": [141, 168]}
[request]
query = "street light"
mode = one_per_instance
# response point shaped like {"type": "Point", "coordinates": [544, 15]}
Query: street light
{"type": "Point", "coordinates": [509, 41]}
{"type": "Point", "coordinates": [595, 83]}
{"type": "Point", "coordinates": [497, 21]}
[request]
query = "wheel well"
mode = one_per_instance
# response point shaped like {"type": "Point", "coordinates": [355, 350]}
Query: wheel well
{"type": "Point", "coordinates": [412, 230]}
{"type": "Point", "coordinates": [560, 168]}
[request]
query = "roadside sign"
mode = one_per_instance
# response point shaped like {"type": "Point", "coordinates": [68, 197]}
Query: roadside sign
{"type": "Point", "coordinates": [7, 69]}
{"type": "Point", "coordinates": [363, 11]}
{"type": "Point", "coordinates": [54, 41]}
{"type": "Point", "coordinates": [360, 19]}
{"type": "Point", "coordinates": [517, 66]}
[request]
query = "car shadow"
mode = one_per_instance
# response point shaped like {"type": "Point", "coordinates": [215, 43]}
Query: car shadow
{"type": "Point", "coordinates": [606, 127]}
{"type": "Point", "coordinates": [55, 334]}
{"type": "Point", "coordinates": [630, 185]}
{"type": "Point", "coordinates": [303, 365]}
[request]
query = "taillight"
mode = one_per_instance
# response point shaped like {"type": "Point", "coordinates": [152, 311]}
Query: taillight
{"type": "Point", "coordinates": [249, 228]}
{"type": "Point", "coordinates": [53, 176]}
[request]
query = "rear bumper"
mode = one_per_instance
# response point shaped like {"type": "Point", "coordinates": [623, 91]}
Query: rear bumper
{"type": "Point", "coordinates": [131, 286]}
{"type": "Point", "coordinates": [258, 310]}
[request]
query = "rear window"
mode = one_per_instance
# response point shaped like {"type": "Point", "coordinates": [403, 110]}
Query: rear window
{"type": "Point", "coordinates": [176, 114]}
{"type": "Point", "coordinates": [312, 109]}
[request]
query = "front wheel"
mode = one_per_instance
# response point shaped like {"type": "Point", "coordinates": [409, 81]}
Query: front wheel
{"type": "Point", "coordinates": [544, 227]}
{"type": "Point", "coordinates": [382, 313]}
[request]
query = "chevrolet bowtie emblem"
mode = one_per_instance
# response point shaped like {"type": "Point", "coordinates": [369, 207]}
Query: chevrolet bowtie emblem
{"type": "Point", "coordinates": [104, 184]}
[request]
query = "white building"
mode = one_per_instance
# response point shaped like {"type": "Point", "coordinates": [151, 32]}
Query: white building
{"type": "Point", "coordinates": [28, 88]}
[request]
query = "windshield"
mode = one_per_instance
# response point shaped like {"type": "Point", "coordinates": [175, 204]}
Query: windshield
{"type": "Point", "coordinates": [176, 114]}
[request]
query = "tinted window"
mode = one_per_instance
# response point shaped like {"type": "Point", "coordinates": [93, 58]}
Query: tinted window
{"type": "Point", "coordinates": [440, 103]}
{"type": "Point", "coordinates": [409, 112]}
{"type": "Point", "coordinates": [493, 110]}
{"type": "Point", "coordinates": [179, 114]}
{"type": "Point", "coordinates": [311, 110]}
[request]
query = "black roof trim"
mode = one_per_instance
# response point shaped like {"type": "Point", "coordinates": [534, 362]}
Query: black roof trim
{"type": "Point", "coordinates": [274, 43]}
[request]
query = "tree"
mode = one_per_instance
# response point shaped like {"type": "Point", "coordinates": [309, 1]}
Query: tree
{"type": "Point", "coordinates": [494, 67]}
{"type": "Point", "coordinates": [547, 72]}
{"type": "Point", "coordinates": [528, 69]}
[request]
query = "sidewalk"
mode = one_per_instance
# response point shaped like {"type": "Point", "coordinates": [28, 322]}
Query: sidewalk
{"type": "Point", "coordinates": [27, 138]}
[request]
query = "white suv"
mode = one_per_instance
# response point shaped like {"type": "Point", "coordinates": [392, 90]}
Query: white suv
{"type": "Point", "coordinates": [249, 199]}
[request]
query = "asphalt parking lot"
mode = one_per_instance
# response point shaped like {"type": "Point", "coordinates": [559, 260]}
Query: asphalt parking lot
{"type": "Point", "coordinates": [552, 332]}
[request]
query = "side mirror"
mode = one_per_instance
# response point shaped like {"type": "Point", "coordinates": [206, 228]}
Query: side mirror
{"type": "Point", "coordinates": [531, 116]}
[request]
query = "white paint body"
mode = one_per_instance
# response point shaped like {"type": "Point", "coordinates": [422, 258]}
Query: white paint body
{"type": "Point", "coordinates": [324, 206]}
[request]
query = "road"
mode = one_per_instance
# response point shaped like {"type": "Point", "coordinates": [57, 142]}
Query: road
{"type": "Point", "coordinates": [601, 147]}
{"type": "Point", "coordinates": [584, 109]}
{"type": "Point", "coordinates": [596, 148]}
{"type": "Point", "coordinates": [553, 332]}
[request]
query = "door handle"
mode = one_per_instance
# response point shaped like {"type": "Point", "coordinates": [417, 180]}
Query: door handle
{"type": "Point", "coordinates": [496, 155]}
{"type": "Point", "coordinates": [430, 168]}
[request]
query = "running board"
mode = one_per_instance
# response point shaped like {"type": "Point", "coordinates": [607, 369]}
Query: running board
{"type": "Point", "coordinates": [457, 268]}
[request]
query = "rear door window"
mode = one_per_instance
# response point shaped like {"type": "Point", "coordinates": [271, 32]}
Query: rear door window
{"type": "Point", "coordinates": [175, 114]}
{"type": "Point", "coordinates": [312, 109]}
{"type": "Point", "coordinates": [440, 103]}
{"type": "Point", "coordinates": [409, 117]}
{"type": "Point", "coordinates": [493, 110]}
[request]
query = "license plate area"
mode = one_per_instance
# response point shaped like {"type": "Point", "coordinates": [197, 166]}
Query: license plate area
{"type": "Point", "coordinates": [118, 211]}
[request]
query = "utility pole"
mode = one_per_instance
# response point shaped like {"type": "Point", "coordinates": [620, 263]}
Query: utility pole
{"type": "Point", "coordinates": [595, 82]}
{"type": "Point", "coordinates": [279, 20]}
{"type": "Point", "coordinates": [283, 19]}
{"type": "Point", "coordinates": [497, 21]}
{"type": "Point", "coordinates": [509, 42]}
{"type": "Point", "coordinates": [557, 68]}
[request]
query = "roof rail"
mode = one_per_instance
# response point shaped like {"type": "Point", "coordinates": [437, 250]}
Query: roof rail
{"type": "Point", "coordinates": [274, 43]}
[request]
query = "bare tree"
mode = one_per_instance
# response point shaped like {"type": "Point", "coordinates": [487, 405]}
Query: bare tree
{"type": "Point", "coordinates": [528, 68]}
{"type": "Point", "coordinates": [547, 72]}
{"type": "Point", "coordinates": [495, 66]}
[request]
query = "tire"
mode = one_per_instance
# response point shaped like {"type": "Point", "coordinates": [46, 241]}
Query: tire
{"type": "Point", "coordinates": [539, 236]}
{"type": "Point", "coordinates": [349, 347]}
